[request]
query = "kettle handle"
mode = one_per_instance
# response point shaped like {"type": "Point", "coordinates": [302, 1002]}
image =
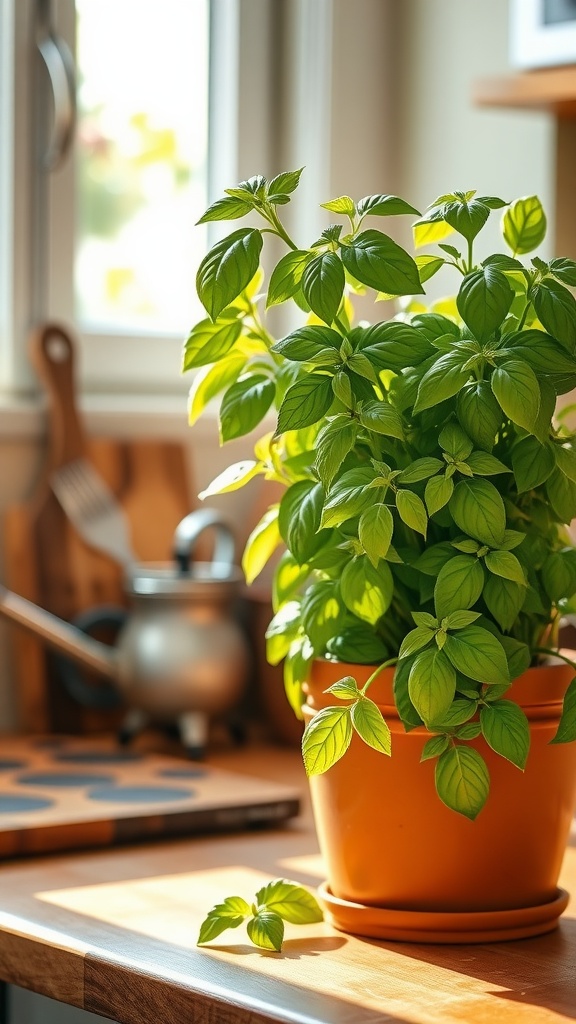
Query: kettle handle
{"type": "Point", "coordinates": [188, 531]}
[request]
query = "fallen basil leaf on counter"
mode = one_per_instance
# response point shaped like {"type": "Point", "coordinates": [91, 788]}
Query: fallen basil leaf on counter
{"type": "Point", "coordinates": [278, 901]}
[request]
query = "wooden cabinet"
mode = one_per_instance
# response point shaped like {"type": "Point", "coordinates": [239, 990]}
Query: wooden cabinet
{"type": "Point", "coordinates": [552, 90]}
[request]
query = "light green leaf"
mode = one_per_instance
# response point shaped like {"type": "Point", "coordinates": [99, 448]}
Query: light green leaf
{"type": "Point", "coordinates": [349, 496]}
{"type": "Point", "coordinates": [459, 585]}
{"type": "Point", "coordinates": [261, 544]}
{"type": "Point", "coordinates": [428, 266]}
{"type": "Point", "coordinates": [438, 493]}
{"type": "Point", "coordinates": [504, 563]}
{"type": "Point", "coordinates": [345, 689]}
{"type": "Point", "coordinates": [384, 206]}
{"type": "Point", "coordinates": [323, 285]}
{"type": "Point", "coordinates": [566, 461]}
{"type": "Point", "coordinates": [296, 671]}
{"type": "Point", "coordinates": [415, 640]}
{"type": "Point", "coordinates": [286, 181]}
{"type": "Point", "coordinates": [427, 231]}
{"type": "Point", "coordinates": [288, 579]}
{"type": "Point", "coordinates": [375, 260]}
{"type": "Point", "coordinates": [343, 204]}
{"type": "Point", "coordinates": [227, 269]}
{"type": "Point", "coordinates": [323, 613]}
{"type": "Point", "coordinates": [305, 402]}
{"type": "Point", "coordinates": [460, 619]}
{"type": "Point", "coordinates": [210, 381]}
{"type": "Point", "coordinates": [431, 684]}
{"type": "Point", "coordinates": [504, 599]}
{"type": "Point", "coordinates": [455, 441]}
{"type": "Point", "coordinates": [433, 747]}
{"type": "Point", "coordinates": [556, 310]}
{"type": "Point", "coordinates": [232, 478]}
{"type": "Point", "coordinates": [326, 739]}
{"type": "Point", "coordinates": [532, 463]}
{"type": "Point", "coordinates": [516, 388]}
{"type": "Point", "coordinates": [244, 405]}
{"type": "Point", "coordinates": [425, 619]}
{"type": "Point", "coordinates": [366, 591]}
{"type": "Point", "coordinates": [281, 631]}
{"type": "Point", "coordinates": [382, 418]}
{"type": "Point", "coordinates": [420, 469]}
{"type": "Point", "coordinates": [478, 509]}
{"type": "Point", "coordinates": [462, 780]}
{"type": "Point", "coordinates": [505, 729]}
{"type": "Point", "coordinates": [292, 902]}
{"type": "Point", "coordinates": [306, 343]}
{"type": "Point", "coordinates": [559, 574]}
{"type": "Point", "coordinates": [524, 225]}
{"type": "Point", "coordinates": [229, 208]}
{"type": "Point", "coordinates": [484, 464]}
{"type": "Point", "coordinates": [478, 654]}
{"type": "Point", "coordinates": [286, 277]}
{"type": "Point", "coordinates": [336, 438]}
{"type": "Point", "coordinates": [562, 496]}
{"type": "Point", "coordinates": [564, 270]}
{"type": "Point", "coordinates": [209, 342]}
{"type": "Point", "coordinates": [461, 710]}
{"type": "Point", "coordinates": [229, 914]}
{"type": "Point", "coordinates": [443, 380]}
{"type": "Point", "coordinates": [358, 644]}
{"type": "Point", "coordinates": [412, 511]}
{"type": "Point", "coordinates": [484, 300]}
{"type": "Point", "coordinates": [266, 930]}
{"type": "Point", "coordinates": [369, 724]}
{"type": "Point", "coordinates": [375, 531]}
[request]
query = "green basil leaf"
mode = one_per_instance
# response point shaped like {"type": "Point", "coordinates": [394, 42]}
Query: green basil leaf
{"type": "Point", "coordinates": [556, 309]}
{"type": "Point", "coordinates": [232, 478]}
{"type": "Point", "coordinates": [227, 269]}
{"type": "Point", "coordinates": [305, 402]}
{"type": "Point", "coordinates": [366, 591]}
{"type": "Point", "coordinates": [443, 380]}
{"type": "Point", "coordinates": [412, 511]}
{"type": "Point", "coordinates": [467, 218]}
{"type": "Point", "coordinates": [266, 930]}
{"type": "Point", "coordinates": [433, 747]}
{"type": "Point", "coordinates": [299, 519]}
{"type": "Point", "coordinates": [532, 463]}
{"type": "Point", "coordinates": [415, 640]}
{"type": "Point", "coordinates": [478, 510]}
{"type": "Point", "coordinates": [484, 300]}
{"type": "Point", "coordinates": [286, 181]}
{"type": "Point", "coordinates": [282, 630]}
{"type": "Point", "coordinates": [343, 204]}
{"type": "Point", "coordinates": [392, 345]}
{"type": "Point", "coordinates": [504, 563]}
{"type": "Point", "coordinates": [210, 381]}
{"type": "Point", "coordinates": [459, 585]}
{"type": "Point", "coordinates": [505, 728]}
{"type": "Point", "coordinates": [478, 654]}
{"type": "Point", "coordinates": [565, 271]}
{"type": "Point", "coordinates": [561, 493]}
{"type": "Point", "coordinates": [559, 574]}
{"type": "Point", "coordinates": [244, 405]}
{"type": "Point", "coordinates": [349, 496]}
{"type": "Point", "coordinates": [484, 464]}
{"type": "Point", "coordinates": [524, 225]}
{"type": "Point", "coordinates": [566, 731]}
{"type": "Point", "coordinates": [461, 710]}
{"type": "Point", "coordinates": [208, 342]}
{"type": "Point", "coordinates": [516, 388]}
{"type": "Point", "coordinates": [336, 438]}
{"type": "Point", "coordinates": [479, 413]}
{"type": "Point", "coordinates": [323, 285]}
{"type": "Point", "coordinates": [438, 493]}
{"type": "Point", "coordinates": [323, 613]}
{"type": "Point", "coordinates": [460, 619]}
{"type": "Point", "coordinates": [229, 208]}
{"type": "Point", "coordinates": [504, 599]}
{"type": "Point", "coordinates": [368, 722]}
{"type": "Point", "coordinates": [428, 266]}
{"type": "Point", "coordinates": [455, 441]}
{"type": "Point", "coordinates": [286, 277]}
{"type": "Point", "coordinates": [292, 902]}
{"type": "Point", "coordinates": [378, 262]}
{"type": "Point", "coordinates": [420, 469]}
{"type": "Point", "coordinates": [544, 354]}
{"type": "Point", "coordinates": [358, 645]}
{"type": "Point", "coordinates": [566, 461]}
{"type": "Point", "coordinates": [433, 558]}
{"type": "Point", "coordinates": [382, 418]}
{"type": "Point", "coordinates": [304, 344]}
{"type": "Point", "coordinates": [229, 914]}
{"type": "Point", "coordinates": [375, 530]}
{"type": "Point", "coordinates": [326, 739]}
{"type": "Point", "coordinates": [384, 206]}
{"type": "Point", "coordinates": [462, 780]}
{"type": "Point", "coordinates": [431, 684]}
{"type": "Point", "coordinates": [261, 544]}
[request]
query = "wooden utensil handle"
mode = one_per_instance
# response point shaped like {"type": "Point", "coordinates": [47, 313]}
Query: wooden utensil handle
{"type": "Point", "coordinates": [52, 354]}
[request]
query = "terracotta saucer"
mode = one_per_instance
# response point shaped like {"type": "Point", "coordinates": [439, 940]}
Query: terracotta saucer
{"type": "Point", "coordinates": [438, 927]}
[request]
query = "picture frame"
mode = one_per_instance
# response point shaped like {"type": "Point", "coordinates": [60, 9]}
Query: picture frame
{"type": "Point", "coordinates": [542, 33]}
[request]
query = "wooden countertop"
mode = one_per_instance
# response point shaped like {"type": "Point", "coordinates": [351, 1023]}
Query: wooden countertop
{"type": "Point", "coordinates": [114, 932]}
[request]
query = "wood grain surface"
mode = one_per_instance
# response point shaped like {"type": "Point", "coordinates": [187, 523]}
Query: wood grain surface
{"type": "Point", "coordinates": [551, 89]}
{"type": "Point", "coordinates": [115, 932]}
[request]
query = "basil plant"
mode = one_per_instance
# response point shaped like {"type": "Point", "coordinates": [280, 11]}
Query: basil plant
{"type": "Point", "coordinates": [427, 481]}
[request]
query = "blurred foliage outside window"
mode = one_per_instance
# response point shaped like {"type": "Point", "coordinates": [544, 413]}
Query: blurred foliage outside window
{"type": "Point", "coordinates": [141, 161]}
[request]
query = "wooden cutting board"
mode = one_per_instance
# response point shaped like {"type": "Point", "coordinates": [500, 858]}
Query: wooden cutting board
{"type": "Point", "coordinates": [49, 563]}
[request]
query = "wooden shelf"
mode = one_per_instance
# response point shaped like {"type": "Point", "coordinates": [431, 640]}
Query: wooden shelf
{"type": "Point", "coordinates": [553, 90]}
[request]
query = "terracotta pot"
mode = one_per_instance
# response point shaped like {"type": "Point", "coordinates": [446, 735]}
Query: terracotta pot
{"type": "Point", "coordinates": [402, 865]}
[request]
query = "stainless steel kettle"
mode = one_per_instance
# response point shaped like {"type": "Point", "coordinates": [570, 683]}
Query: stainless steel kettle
{"type": "Point", "coordinates": [180, 655]}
